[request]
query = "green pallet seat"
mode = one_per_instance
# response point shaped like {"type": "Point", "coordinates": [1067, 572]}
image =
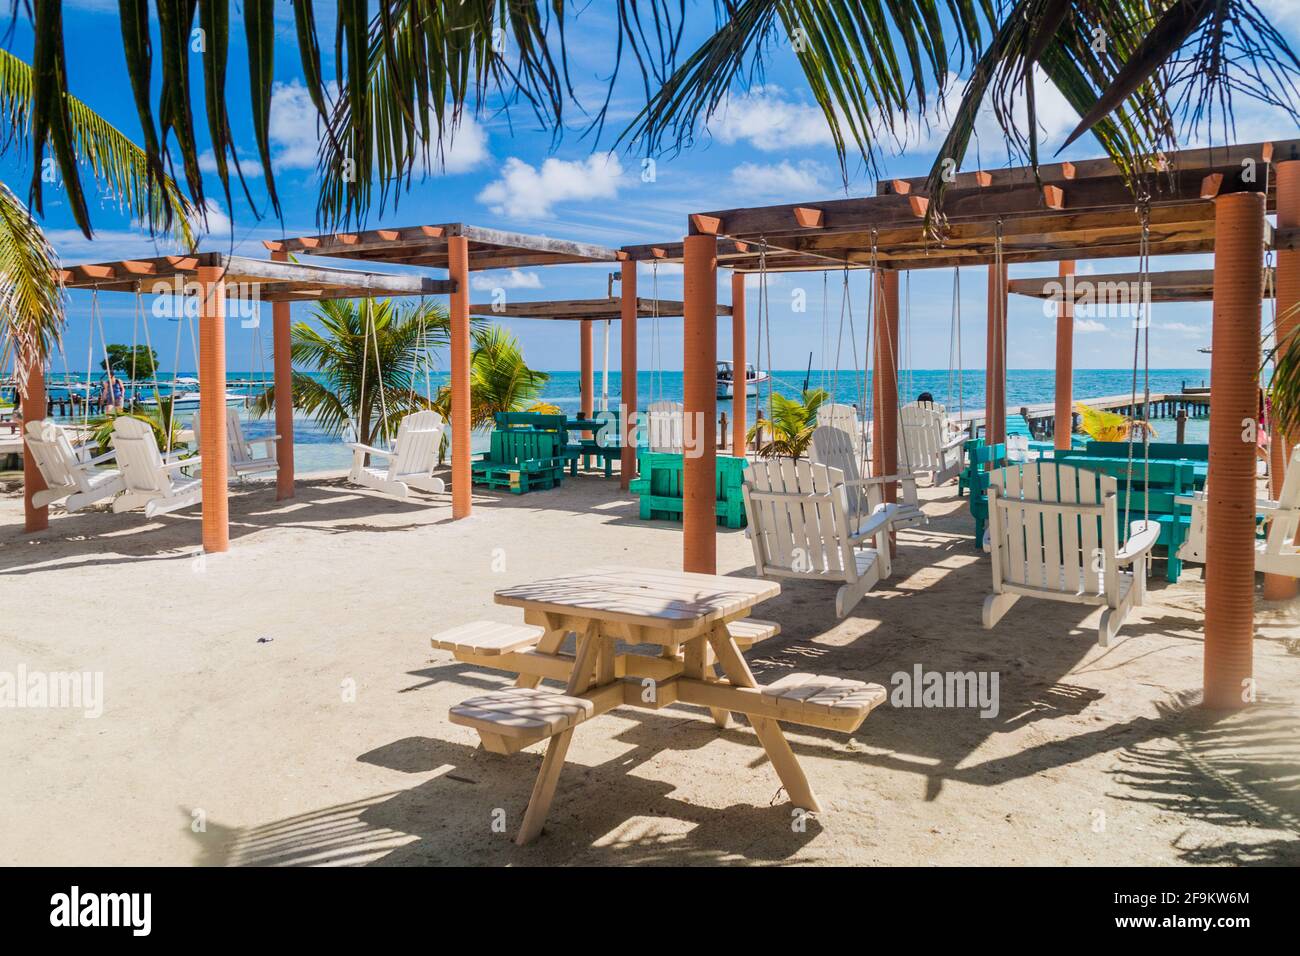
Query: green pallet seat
{"type": "Point", "coordinates": [660, 487]}
{"type": "Point", "coordinates": [520, 460]}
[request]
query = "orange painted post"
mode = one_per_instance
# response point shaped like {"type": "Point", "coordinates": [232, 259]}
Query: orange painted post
{"type": "Point", "coordinates": [588, 383]}
{"type": "Point", "coordinates": [739, 403]}
{"type": "Point", "coordinates": [884, 381]}
{"type": "Point", "coordinates": [699, 385]}
{"type": "Point", "coordinates": [283, 364]}
{"type": "Point", "coordinates": [627, 369]}
{"type": "Point", "coordinates": [212, 409]}
{"type": "Point", "coordinates": [1230, 520]}
{"type": "Point", "coordinates": [1287, 287]}
{"type": "Point", "coordinates": [33, 408]}
{"type": "Point", "coordinates": [1064, 362]}
{"type": "Point", "coordinates": [995, 364]}
{"type": "Point", "coordinates": [458, 270]}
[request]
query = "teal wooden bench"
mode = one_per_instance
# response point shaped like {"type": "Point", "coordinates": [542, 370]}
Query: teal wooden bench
{"type": "Point", "coordinates": [1154, 486]}
{"type": "Point", "coordinates": [544, 422]}
{"type": "Point", "coordinates": [980, 460]}
{"type": "Point", "coordinates": [605, 445]}
{"type": "Point", "coordinates": [521, 460]}
{"type": "Point", "coordinates": [660, 488]}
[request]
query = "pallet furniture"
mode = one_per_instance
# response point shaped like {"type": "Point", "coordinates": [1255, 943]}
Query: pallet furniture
{"type": "Point", "coordinates": [410, 461]}
{"type": "Point", "coordinates": [981, 460]}
{"type": "Point", "coordinates": [1276, 552]}
{"type": "Point", "coordinates": [520, 460]}
{"type": "Point", "coordinates": [832, 447]}
{"type": "Point", "coordinates": [605, 444]}
{"type": "Point", "coordinates": [660, 488]}
{"type": "Point", "coordinates": [927, 444]}
{"type": "Point", "coordinates": [1151, 487]}
{"type": "Point", "coordinates": [150, 480]}
{"type": "Point", "coordinates": [243, 459]}
{"type": "Point", "coordinates": [1053, 534]}
{"type": "Point", "coordinates": [800, 527]}
{"type": "Point", "coordinates": [71, 475]}
{"type": "Point", "coordinates": [690, 617]}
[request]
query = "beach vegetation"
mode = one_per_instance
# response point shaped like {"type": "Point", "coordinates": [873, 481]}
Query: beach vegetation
{"type": "Point", "coordinates": [788, 432]}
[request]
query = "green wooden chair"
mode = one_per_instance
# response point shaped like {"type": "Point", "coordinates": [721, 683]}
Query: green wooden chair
{"type": "Point", "coordinates": [980, 460]}
{"type": "Point", "coordinates": [1156, 449]}
{"type": "Point", "coordinates": [605, 445]}
{"type": "Point", "coordinates": [521, 460]}
{"type": "Point", "coordinates": [660, 487]}
{"type": "Point", "coordinates": [542, 421]}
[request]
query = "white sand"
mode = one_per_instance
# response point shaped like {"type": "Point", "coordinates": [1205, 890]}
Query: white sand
{"type": "Point", "coordinates": [1096, 757]}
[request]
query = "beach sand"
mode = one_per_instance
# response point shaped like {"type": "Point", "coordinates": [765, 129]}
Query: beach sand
{"type": "Point", "coordinates": [280, 704]}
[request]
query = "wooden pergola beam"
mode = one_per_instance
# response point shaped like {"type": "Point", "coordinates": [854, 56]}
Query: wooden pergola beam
{"type": "Point", "coordinates": [1177, 285]}
{"type": "Point", "coordinates": [572, 309]}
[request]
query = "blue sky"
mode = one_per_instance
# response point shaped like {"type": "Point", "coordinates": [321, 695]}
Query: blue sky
{"type": "Point", "coordinates": [769, 145]}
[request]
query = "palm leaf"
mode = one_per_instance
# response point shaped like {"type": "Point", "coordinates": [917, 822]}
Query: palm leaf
{"type": "Point", "coordinates": [31, 295]}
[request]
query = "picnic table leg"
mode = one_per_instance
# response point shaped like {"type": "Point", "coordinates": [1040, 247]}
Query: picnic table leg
{"type": "Point", "coordinates": [698, 663]}
{"type": "Point", "coordinates": [768, 730]}
{"type": "Point", "coordinates": [547, 778]}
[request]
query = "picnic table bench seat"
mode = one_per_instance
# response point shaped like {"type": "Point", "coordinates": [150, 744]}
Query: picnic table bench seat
{"type": "Point", "coordinates": [748, 631]}
{"type": "Point", "coordinates": [531, 713]}
{"type": "Point", "coordinates": [488, 638]}
{"type": "Point", "coordinates": [834, 703]}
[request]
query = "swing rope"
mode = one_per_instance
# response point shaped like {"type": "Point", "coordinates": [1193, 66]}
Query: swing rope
{"type": "Point", "coordinates": [1142, 340]}
{"type": "Point", "coordinates": [954, 348]}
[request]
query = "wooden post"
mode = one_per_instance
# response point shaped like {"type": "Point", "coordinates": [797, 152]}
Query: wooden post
{"type": "Point", "coordinates": [1061, 428]}
{"type": "Point", "coordinates": [995, 364]}
{"type": "Point", "coordinates": [588, 380]}
{"type": "Point", "coordinates": [213, 448]}
{"type": "Point", "coordinates": [1287, 288]}
{"type": "Point", "coordinates": [700, 362]}
{"type": "Point", "coordinates": [283, 363]}
{"type": "Point", "coordinates": [627, 369]}
{"type": "Point", "coordinates": [884, 383]}
{"type": "Point", "coordinates": [458, 271]}
{"type": "Point", "coordinates": [1181, 419]}
{"type": "Point", "coordinates": [33, 408]}
{"type": "Point", "coordinates": [1230, 519]}
{"type": "Point", "coordinates": [739, 401]}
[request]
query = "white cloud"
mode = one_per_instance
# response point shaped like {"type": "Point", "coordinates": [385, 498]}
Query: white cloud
{"type": "Point", "coordinates": [769, 120]}
{"type": "Point", "coordinates": [218, 223]}
{"type": "Point", "coordinates": [250, 165]}
{"type": "Point", "coordinates": [529, 192]}
{"type": "Point", "coordinates": [1056, 118]}
{"type": "Point", "coordinates": [780, 179]}
{"type": "Point", "coordinates": [1084, 326]}
{"type": "Point", "coordinates": [295, 134]}
{"type": "Point", "coordinates": [1179, 327]}
{"type": "Point", "coordinates": [512, 279]}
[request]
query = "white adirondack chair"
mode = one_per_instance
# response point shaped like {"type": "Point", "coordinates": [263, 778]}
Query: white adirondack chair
{"type": "Point", "coordinates": [833, 447]}
{"type": "Point", "coordinates": [927, 443]}
{"type": "Point", "coordinates": [151, 480]}
{"type": "Point", "coordinates": [1277, 553]}
{"type": "Point", "coordinates": [71, 476]}
{"type": "Point", "coordinates": [243, 460]}
{"type": "Point", "coordinates": [1053, 533]}
{"type": "Point", "coordinates": [845, 418]}
{"type": "Point", "coordinates": [664, 432]}
{"type": "Point", "coordinates": [410, 462]}
{"type": "Point", "coordinates": [799, 526]}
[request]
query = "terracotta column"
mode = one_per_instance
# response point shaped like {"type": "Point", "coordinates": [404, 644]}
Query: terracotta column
{"type": "Point", "coordinates": [1287, 287]}
{"type": "Point", "coordinates": [588, 381]}
{"type": "Point", "coordinates": [884, 380]}
{"type": "Point", "coordinates": [1230, 531]}
{"type": "Point", "coordinates": [33, 409]}
{"type": "Point", "coordinates": [1064, 361]}
{"type": "Point", "coordinates": [995, 364]}
{"type": "Point", "coordinates": [458, 271]}
{"type": "Point", "coordinates": [283, 364]}
{"type": "Point", "coordinates": [739, 403]}
{"type": "Point", "coordinates": [700, 364]}
{"type": "Point", "coordinates": [627, 369]}
{"type": "Point", "coordinates": [212, 409]}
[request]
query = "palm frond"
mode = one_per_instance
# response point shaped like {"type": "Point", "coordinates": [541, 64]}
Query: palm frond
{"type": "Point", "coordinates": [31, 294]}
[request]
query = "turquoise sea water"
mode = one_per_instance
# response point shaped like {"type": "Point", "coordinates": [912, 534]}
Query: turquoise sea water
{"type": "Point", "coordinates": [314, 450]}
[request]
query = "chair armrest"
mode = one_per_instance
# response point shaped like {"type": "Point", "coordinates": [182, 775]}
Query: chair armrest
{"type": "Point", "coordinates": [955, 442]}
{"type": "Point", "coordinates": [1142, 538]}
{"type": "Point", "coordinates": [181, 463]}
{"type": "Point", "coordinates": [880, 520]}
{"type": "Point", "coordinates": [369, 450]}
{"type": "Point", "coordinates": [100, 459]}
{"type": "Point", "coordinates": [265, 440]}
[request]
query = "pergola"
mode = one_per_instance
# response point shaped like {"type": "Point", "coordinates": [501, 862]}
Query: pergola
{"type": "Point", "coordinates": [1178, 285]}
{"type": "Point", "coordinates": [1195, 201]}
{"type": "Point", "coordinates": [459, 249]}
{"type": "Point", "coordinates": [589, 311]}
{"type": "Point", "coordinates": [213, 277]}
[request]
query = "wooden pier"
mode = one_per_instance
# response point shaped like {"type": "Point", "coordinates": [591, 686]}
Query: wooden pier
{"type": "Point", "coordinates": [1179, 406]}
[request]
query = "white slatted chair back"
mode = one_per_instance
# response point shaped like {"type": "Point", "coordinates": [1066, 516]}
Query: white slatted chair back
{"type": "Point", "coordinates": [1053, 530]}
{"type": "Point", "coordinates": [921, 436]}
{"type": "Point", "coordinates": [845, 418]}
{"type": "Point", "coordinates": [240, 453]}
{"type": "Point", "coordinates": [53, 454]}
{"type": "Point", "coordinates": [798, 519]}
{"type": "Point", "coordinates": [1280, 554]}
{"type": "Point", "coordinates": [416, 450]}
{"type": "Point", "coordinates": [665, 424]}
{"type": "Point", "coordinates": [138, 457]}
{"type": "Point", "coordinates": [833, 447]}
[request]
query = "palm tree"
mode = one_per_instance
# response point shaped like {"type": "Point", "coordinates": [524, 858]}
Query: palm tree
{"type": "Point", "coordinates": [31, 296]}
{"type": "Point", "coordinates": [1133, 69]}
{"type": "Point", "coordinates": [789, 431]}
{"type": "Point", "coordinates": [499, 379]}
{"type": "Point", "coordinates": [369, 359]}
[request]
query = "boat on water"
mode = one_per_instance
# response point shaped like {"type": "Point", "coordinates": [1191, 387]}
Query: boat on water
{"type": "Point", "coordinates": [727, 380]}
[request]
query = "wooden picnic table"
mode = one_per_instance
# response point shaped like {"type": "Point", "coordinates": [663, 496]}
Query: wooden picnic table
{"type": "Point", "coordinates": [697, 620]}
